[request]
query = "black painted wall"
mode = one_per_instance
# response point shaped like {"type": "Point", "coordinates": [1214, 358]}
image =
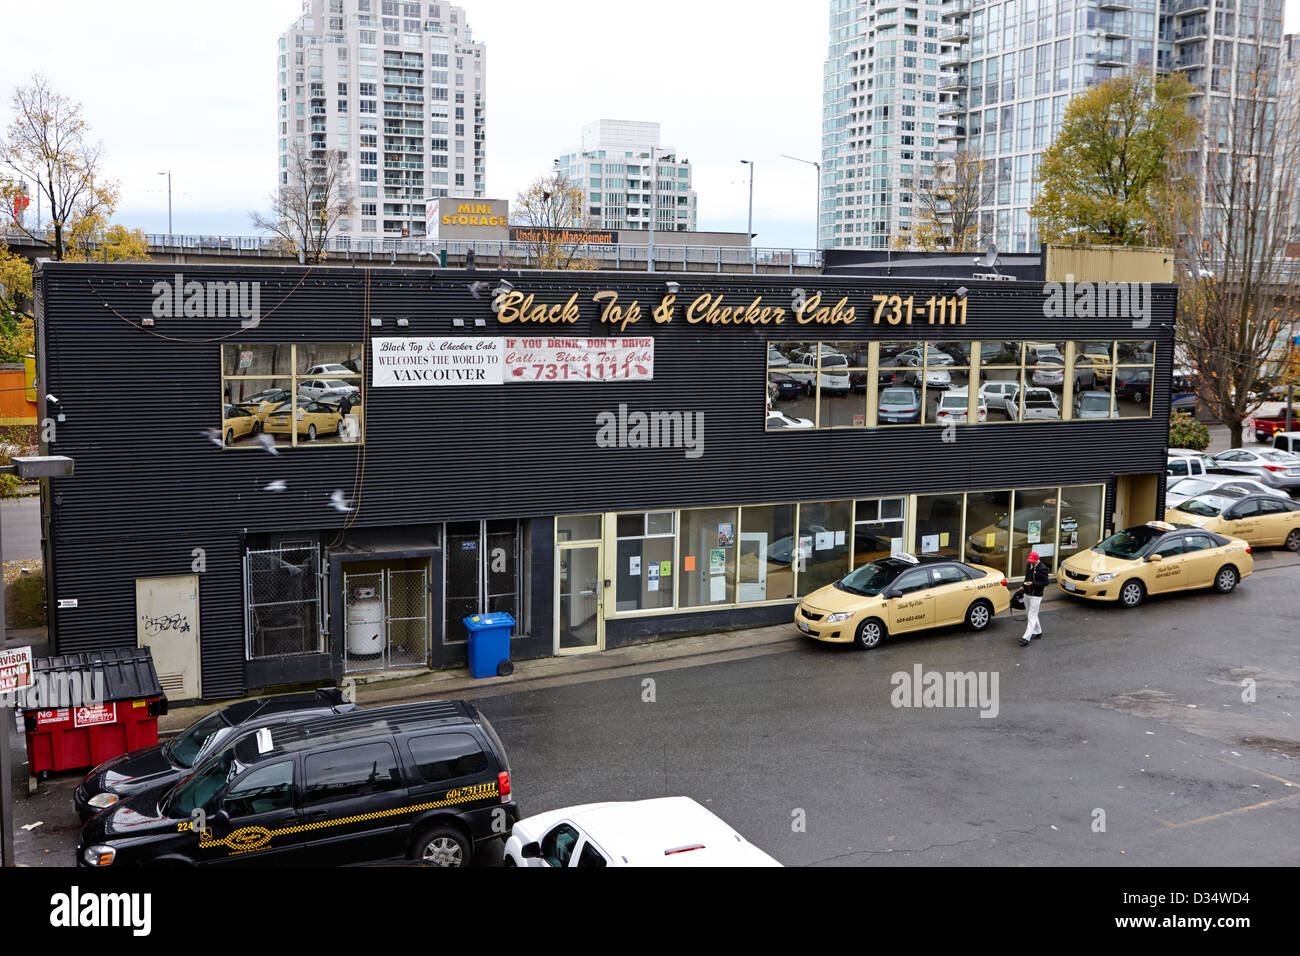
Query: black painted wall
{"type": "Point", "coordinates": [149, 487]}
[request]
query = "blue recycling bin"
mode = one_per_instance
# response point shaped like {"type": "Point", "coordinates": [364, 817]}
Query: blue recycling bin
{"type": "Point", "coordinates": [489, 643]}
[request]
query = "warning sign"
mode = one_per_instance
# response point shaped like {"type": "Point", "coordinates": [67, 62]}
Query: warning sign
{"type": "Point", "coordinates": [90, 716]}
{"type": "Point", "coordinates": [15, 669]}
{"type": "Point", "coordinates": [44, 717]}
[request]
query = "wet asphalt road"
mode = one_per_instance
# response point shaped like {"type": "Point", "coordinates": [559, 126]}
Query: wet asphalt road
{"type": "Point", "coordinates": [1129, 720]}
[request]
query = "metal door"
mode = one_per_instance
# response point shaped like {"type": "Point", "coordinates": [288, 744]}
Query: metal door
{"type": "Point", "coordinates": [387, 620]}
{"type": "Point", "coordinates": [167, 622]}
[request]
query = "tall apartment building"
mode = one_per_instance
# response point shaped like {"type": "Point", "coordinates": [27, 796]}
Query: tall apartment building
{"type": "Point", "coordinates": [614, 169]}
{"type": "Point", "coordinates": [1008, 69]}
{"type": "Point", "coordinates": [880, 130]}
{"type": "Point", "coordinates": [397, 90]}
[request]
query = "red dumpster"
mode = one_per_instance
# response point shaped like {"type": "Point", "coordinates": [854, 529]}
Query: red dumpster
{"type": "Point", "coordinates": [86, 708]}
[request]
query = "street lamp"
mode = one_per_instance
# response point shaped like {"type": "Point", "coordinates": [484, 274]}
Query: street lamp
{"type": "Point", "coordinates": [49, 466]}
{"type": "Point", "coordinates": [168, 174]}
{"type": "Point", "coordinates": [817, 217]}
{"type": "Point", "coordinates": [750, 164]}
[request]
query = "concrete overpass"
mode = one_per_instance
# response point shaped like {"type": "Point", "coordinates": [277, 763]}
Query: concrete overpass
{"type": "Point", "coordinates": [453, 253]}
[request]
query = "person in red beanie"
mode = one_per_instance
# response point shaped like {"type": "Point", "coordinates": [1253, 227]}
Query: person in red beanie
{"type": "Point", "coordinates": [1035, 581]}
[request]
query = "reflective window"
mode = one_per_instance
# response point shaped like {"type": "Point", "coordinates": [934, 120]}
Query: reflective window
{"type": "Point", "coordinates": [898, 393]}
{"type": "Point", "coordinates": [351, 772]}
{"type": "Point", "coordinates": [824, 542]}
{"type": "Point", "coordinates": [447, 756]}
{"type": "Point", "coordinates": [577, 528]}
{"type": "Point", "coordinates": [708, 556]}
{"type": "Point", "coordinates": [292, 394]}
{"type": "Point", "coordinates": [1033, 528]}
{"type": "Point", "coordinates": [841, 397]}
{"type": "Point", "coordinates": [264, 790]}
{"type": "Point", "coordinates": [988, 533]}
{"type": "Point", "coordinates": [878, 529]}
{"type": "Point", "coordinates": [645, 574]}
{"type": "Point", "coordinates": [938, 525]}
{"type": "Point", "coordinates": [1134, 376]}
{"type": "Point", "coordinates": [765, 553]}
{"type": "Point", "coordinates": [1081, 518]}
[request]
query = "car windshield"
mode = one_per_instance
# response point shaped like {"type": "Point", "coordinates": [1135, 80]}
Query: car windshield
{"type": "Point", "coordinates": [1206, 506]}
{"type": "Point", "coordinates": [870, 579]}
{"type": "Point", "coordinates": [834, 360]}
{"type": "Point", "coordinates": [185, 749]}
{"type": "Point", "coordinates": [1129, 543]}
{"type": "Point", "coordinates": [1094, 403]}
{"type": "Point", "coordinates": [896, 396]}
{"type": "Point", "coordinates": [198, 789]}
{"type": "Point", "coordinates": [1191, 486]}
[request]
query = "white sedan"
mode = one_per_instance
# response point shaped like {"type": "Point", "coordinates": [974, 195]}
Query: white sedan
{"type": "Point", "coordinates": [1184, 488]}
{"type": "Point", "coordinates": [782, 420]}
{"type": "Point", "coordinates": [667, 831]}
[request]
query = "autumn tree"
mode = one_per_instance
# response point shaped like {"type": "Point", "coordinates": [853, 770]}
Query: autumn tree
{"type": "Point", "coordinates": [1237, 299]}
{"type": "Point", "coordinates": [551, 208]}
{"type": "Point", "coordinates": [305, 210]}
{"type": "Point", "coordinates": [948, 206]}
{"type": "Point", "coordinates": [1107, 177]}
{"type": "Point", "coordinates": [45, 146]}
{"type": "Point", "coordinates": [17, 330]}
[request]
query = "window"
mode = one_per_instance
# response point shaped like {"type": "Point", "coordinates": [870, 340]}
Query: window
{"type": "Point", "coordinates": [590, 856]}
{"type": "Point", "coordinates": [708, 556]}
{"type": "Point", "coordinates": [351, 772]}
{"type": "Point", "coordinates": [264, 790]}
{"type": "Point", "coordinates": [822, 555]}
{"type": "Point", "coordinates": [938, 524]}
{"type": "Point", "coordinates": [442, 757]}
{"type": "Point", "coordinates": [293, 395]}
{"type": "Point", "coordinates": [557, 846]}
{"type": "Point", "coordinates": [645, 554]}
{"type": "Point", "coordinates": [877, 528]}
{"type": "Point", "coordinates": [484, 566]}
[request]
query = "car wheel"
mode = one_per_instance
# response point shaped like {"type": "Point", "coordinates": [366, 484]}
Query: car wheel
{"type": "Point", "coordinates": [979, 615]}
{"type": "Point", "coordinates": [230, 436]}
{"type": "Point", "coordinates": [870, 633]}
{"type": "Point", "coordinates": [442, 846]}
{"type": "Point", "coordinates": [1226, 579]}
{"type": "Point", "coordinates": [311, 432]}
{"type": "Point", "coordinates": [1132, 593]}
{"type": "Point", "coordinates": [1293, 541]}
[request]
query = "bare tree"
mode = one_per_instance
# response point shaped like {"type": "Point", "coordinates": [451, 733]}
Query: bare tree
{"type": "Point", "coordinates": [552, 208]}
{"type": "Point", "coordinates": [306, 209]}
{"type": "Point", "coordinates": [45, 146]}
{"type": "Point", "coordinates": [1236, 299]}
{"type": "Point", "coordinates": [949, 202]}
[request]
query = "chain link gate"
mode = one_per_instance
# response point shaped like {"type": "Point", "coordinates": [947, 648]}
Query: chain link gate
{"type": "Point", "coordinates": [283, 614]}
{"type": "Point", "coordinates": [387, 615]}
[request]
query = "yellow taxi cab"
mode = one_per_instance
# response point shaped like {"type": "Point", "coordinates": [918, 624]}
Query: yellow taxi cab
{"type": "Point", "coordinates": [1261, 520]}
{"type": "Point", "coordinates": [238, 421]}
{"type": "Point", "coordinates": [1155, 558]}
{"type": "Point", "coordinates": [899, 594]}
{"type": "Point", "coordinates": [313, 418]}
{"type": "Point", "coordinates": [262, 403]}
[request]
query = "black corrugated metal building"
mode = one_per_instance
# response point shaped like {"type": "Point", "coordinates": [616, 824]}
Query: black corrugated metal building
{"type": "Point", "coordinates": [253, 544]}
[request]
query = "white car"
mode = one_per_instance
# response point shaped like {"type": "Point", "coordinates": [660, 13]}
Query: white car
{"type": "Point", "coordinates": [317, 388]}
{"type": "Point", "coordinates": [1040, 403]}
{"type": "Point", "coordinates": [954, 404]}
{"type": "Point", "coordinates": [834, 375]}
{"type": "Point", "coordinates": [782, 420]}
{"type": "Point", "coordinates": [668, 831]}
{"type": "Point", "coordinates": [331, 369]}
{"type": "Point", "coordinates": [934, 377]}
{"type": "Point", "coordinates": [995, 393]}
{"type": "Point", "coordinates": [776, 360]}
{"type": "Point", "coordinates": [1184, 488]}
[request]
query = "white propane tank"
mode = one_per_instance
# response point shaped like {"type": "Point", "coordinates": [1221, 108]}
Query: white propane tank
{"type": "Point", "coordinates": [365, 624]}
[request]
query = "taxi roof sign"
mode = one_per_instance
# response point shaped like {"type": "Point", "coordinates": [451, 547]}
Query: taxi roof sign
{"type": "Point", "coordinates": [904, 556]}
{"type": "Point", "coordinates": [1161, 526]}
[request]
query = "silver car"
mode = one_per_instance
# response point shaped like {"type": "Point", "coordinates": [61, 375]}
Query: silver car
{"type": "Point", "coordinates": [1094, 405]}
{"type": "Point", "coordinates": [318, 388]}
{"type": "Point", "coordinates": [899, 406]}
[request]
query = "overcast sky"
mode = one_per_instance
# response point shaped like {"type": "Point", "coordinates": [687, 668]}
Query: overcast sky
{"type": "Point", "coordinates": [190, 85]}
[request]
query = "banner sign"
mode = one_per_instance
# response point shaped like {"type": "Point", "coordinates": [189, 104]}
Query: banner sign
{"type": "Point", "coordinates": [580, 360]}
{"type": "Point", "coordinates": [497, 361]}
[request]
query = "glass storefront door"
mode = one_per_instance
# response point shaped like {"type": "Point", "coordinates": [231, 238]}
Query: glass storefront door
{"type": "Point", "coordinates": [579, 621]}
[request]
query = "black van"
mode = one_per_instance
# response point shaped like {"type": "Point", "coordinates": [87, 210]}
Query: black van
{"type": "Point", "coordinates": [429, 781]}
{"type": "Point", "coordinates": [153, 769]}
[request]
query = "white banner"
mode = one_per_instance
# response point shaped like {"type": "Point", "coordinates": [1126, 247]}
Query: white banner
{"type": "Point", "coordinates": [580, 360]}
{"type": "Point", "coordinates": [437, 361]}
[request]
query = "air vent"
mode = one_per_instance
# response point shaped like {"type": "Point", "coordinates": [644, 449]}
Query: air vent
{"type": "Point", "coordinates": [172, 684]}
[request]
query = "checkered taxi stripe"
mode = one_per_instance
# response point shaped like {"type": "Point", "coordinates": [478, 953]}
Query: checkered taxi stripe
{"type": "Point", "coordinates": [255, 838]}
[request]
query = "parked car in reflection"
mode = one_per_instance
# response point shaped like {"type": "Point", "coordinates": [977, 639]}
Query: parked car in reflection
{"type": "Point", "coordinates": [995, 393]}
{"type": "Point", "coordinates": [331, 370]}
{"type": "Point", "coordinates": [1094, 405]}
{"type": "Point", "coordinates": [262, 402]}
{"type": "Point", "coordinates": [1040, 403]}
{"type": "Point", "coordinates": [777, 420]}
{"type": "Point", "coordinates": [833, 377]}
{"type": "Point", "coordinates": [899, 406]}
{"type": "Point", "coordinates": [238, 421]}
{"type": "Point", "coordinates": [1048, 371]}
{"type": "Point", "coordinates": [1133, 383]}
{"type": "Point", "coordinates": [313, 418]}
{"type": "Point", "coordinates": [319, 387]}
{"type": "Point", "coordinates": [913, 372]}
{"type": "Point", "coordinates": [954, 405]}
{"type": "Point", "coordinates": [775, 359]}
{"type": "Point", "coordinates": [783, 386]}
{"type": "Point", "coordinates": [1085, 372]}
